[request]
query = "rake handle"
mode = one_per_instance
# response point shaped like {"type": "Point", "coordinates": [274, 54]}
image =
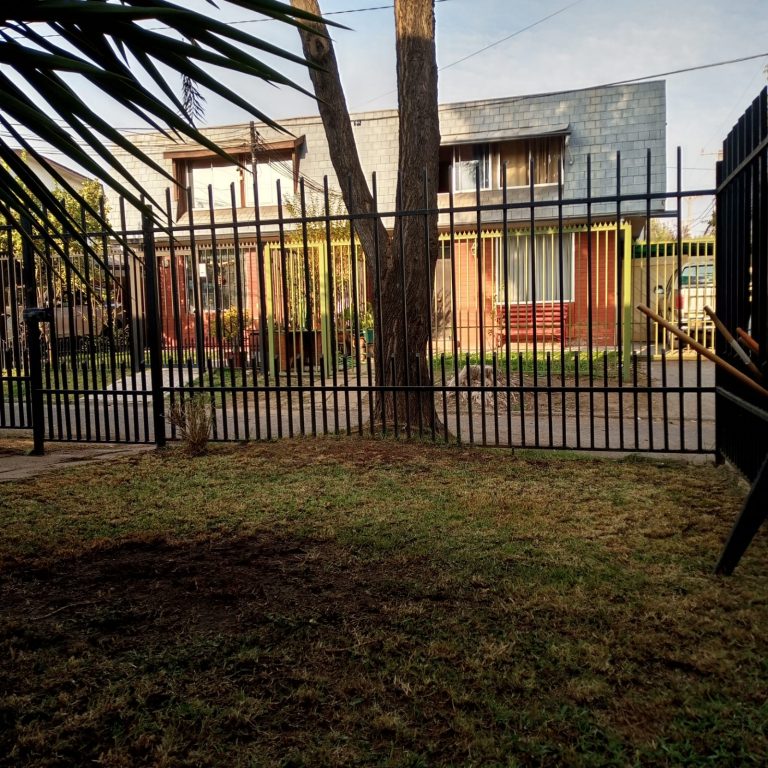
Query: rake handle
{"type": "Point", "coordinates": [748, 340]}
{"type": "Point", "coordinates": [737, 348]}
{"type": "Point", "coordinates": [735, 372]}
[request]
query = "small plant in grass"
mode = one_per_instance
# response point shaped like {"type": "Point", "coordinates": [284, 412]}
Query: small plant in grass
{"type": "Point", "coordinates": [193, 419]}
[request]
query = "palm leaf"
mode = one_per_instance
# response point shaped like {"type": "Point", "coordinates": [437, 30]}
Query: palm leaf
{"type": "Point", "coordinates": [44, 42]}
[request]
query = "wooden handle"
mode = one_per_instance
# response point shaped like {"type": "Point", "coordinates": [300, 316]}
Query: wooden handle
{"type": "Point", "coordinates": [748, 340]}
{"type": "Point", "coordinates": [735, 372]}
{"type": "Point", "coordinates": [743, 356]}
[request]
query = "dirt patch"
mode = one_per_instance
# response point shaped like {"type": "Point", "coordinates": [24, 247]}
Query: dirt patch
{"type": "Point", "coordinates": [280, 637]}
{"type": "Point", "coordinates": [10, 446]}
{"type": "Point", "coordinates": [156, 588]}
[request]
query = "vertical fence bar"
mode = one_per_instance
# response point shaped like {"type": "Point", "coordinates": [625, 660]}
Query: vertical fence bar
{"type": "Point", "coordinates": [480, 251]}
{"type": "Point", "coordinates": [454, 310]}
{"type": "Point", "coordinates": [430, 310]}
{"type": "Point", "coordinates": [648, 337]}
{"type": "Point", "coordinates": [534, 299]}
{"type": "Point", "coordinates": [33, 339]}
{"type": "Point", "coordinates": [624, 331]}
{"type": "Point", "coordinates": [400, 224]}
{"type": "Point", "coordinates": [154, 331]}
{"type": "Point", "coordinates": [590, 308]}
{"type": "Point", "coordinates": [290, 337]}
{"type": "Point", "coordinates": [680, 370]}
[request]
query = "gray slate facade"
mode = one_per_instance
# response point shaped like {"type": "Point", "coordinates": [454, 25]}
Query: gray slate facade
{"type": "Point", "coordinates": [596, 122]}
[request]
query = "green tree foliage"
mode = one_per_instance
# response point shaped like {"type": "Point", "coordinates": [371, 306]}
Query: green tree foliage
{"type": "Point", "coordinates": [665, 230]}
{"type": "Point", "coordinates": [87, 213]}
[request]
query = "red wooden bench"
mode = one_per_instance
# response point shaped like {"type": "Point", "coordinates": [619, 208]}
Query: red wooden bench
{"type": "Point", "coordinates": [551, 320]}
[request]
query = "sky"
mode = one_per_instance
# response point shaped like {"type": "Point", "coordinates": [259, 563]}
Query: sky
{"type": "Point", "coordinates": [590, 42]}
{"type": "Point", "coordinates": [584, 43]}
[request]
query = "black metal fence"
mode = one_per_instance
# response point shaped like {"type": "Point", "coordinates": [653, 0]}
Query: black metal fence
{"type": "Point", "coordinates": [532, 339]}
{"type": "Point", "coordinates": [742, 281]}
{"type": "Point", "coordinates": [742, 295]}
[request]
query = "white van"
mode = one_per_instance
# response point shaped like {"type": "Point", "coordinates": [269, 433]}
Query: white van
{"type": "Point", "coordinates": [685, 303]}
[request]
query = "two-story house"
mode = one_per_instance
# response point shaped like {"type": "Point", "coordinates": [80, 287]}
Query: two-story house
{"type": "Point", "coordinates": [536, 173]}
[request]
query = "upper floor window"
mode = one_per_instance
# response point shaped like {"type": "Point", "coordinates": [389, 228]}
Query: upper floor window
{"type": "Point", "coordinates": [471, 165]}
{"type": "Point", "coordinates": [211, 179]}
{"type": "Point", "coordinates": [220, 175]}
{"type": "Point", "coordinates": [546, 155]}
{"type": "Point", "coordinates": [463, 166]}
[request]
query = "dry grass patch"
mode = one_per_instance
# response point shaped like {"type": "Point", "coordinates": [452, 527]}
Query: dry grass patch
{"type": "Point", "coordinates": [341, 602]}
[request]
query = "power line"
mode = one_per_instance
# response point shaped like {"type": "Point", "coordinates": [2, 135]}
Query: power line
{"type": "Point", "coordinates": [684, 70]}
{"type": "Point", "coordinates": [509, 37]}
{"type": "Point", "coordinates": [491, 45]}
{"type": "Point", "coordinates": [738, 106]}
{"type": "Point", "coordinates": [238, 22]}
{"type": "Point", "coordinates": [336, 13]}
{"type": "Point", "coordinates": [633, 79]}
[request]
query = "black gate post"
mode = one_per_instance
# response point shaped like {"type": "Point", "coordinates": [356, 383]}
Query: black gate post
{"type": "Point", "coordinates": [33, 316]}
{"type": "Point", "coordinates": [154, 331]}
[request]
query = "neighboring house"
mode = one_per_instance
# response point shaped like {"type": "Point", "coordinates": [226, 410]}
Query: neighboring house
{"type": "Point", "coordinates": [11, 286]}
{"type": "Point", "coordinates": [540, 140]}
{"type": "Point", "coordinates": [73, 178]}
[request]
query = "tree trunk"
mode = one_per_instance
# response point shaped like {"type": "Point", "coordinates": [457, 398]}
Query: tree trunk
{"type": "Point", "coordinates": [407, 258]}
{"type": "Point", "coordinates": [410, 281]}
{"type": "Point", "coordinates": [318, 50]}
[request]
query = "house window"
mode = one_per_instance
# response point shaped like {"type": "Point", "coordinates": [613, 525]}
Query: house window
{"type": "Point", "coordinates": [463, 165]}
{"type": "Point", "coordinates": [205, 271]}
{"type": "Point", "coordinates": [471, 163]}
{"type": "Point", "coordinates": [220, 175]}
{"type": "Point", "coordinates": [545, 153]}
{"type": "Point", "coordinates": [198, 170]}
{"type": "Point", "coordinates": [534, 260]}
{"type": "Point", "coordinates": [268, 173]}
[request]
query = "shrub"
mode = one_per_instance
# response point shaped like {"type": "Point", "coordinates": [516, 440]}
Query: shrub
{"type": "Point", "coordinates": [230, 325]}
{"type": "Point", "coordinates": [193, 419]}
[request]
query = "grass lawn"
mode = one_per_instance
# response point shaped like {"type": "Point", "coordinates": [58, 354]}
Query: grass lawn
{"type": "Point", "coordinates": [341, 602]}
{"type": "Point", "coordinates": [526, 361]}
{"type": "Point", "coordinates": [12, 389]}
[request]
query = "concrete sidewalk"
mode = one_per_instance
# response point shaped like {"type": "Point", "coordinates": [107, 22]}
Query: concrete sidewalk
{"type": "Point", "coordinates": [17, 464]}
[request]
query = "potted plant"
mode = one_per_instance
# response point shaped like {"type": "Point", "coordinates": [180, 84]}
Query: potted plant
{"type": "Point", "coordinates": [230, 330]}
{"type": "Point", "coordinates": [366, 325]}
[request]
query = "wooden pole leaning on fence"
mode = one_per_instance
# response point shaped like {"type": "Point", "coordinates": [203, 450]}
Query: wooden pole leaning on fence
{"type": "Point", "coordinates": [748, 340]}
{"type": "Point", "coordinates": [701, 349]}
{"type": "Point", "coordinates": [737, 348]}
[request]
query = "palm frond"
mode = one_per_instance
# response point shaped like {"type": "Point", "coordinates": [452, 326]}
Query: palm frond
{"type": "Point", "coordinates": [118, 47]}
{"type": "Point", "coordinates": [193, 102]}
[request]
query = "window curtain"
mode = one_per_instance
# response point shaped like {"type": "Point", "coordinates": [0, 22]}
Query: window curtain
{"type": "Point", "coordinates": [545, 153]}
{"type": "Point", "coordinates": [515, 155]}
{"type": "Point", "coordinates": [535, 260]}
{"type": "Point", "coordinates": [471, 162]}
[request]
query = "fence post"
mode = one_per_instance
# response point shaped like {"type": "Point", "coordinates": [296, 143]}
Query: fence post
{"type": "Point", "coordinates": [33, 316]}
{"type": "Point", "coordinates": [154, 330]}
{"type": "Point", "coordinates": [625, 254]}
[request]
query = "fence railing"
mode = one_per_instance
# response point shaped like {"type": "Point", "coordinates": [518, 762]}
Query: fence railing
{"type": "Point", "coordinates": [742, 295]}
{"type": "Point", "coordinates": [532, 339]}
{"type": "Point", "coordinates": [742, 278]}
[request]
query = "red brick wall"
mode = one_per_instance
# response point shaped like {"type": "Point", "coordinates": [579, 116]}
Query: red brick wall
{"type": "Point", "coordinates": [603, 305]}
{"type": "Point", "coordinates": [251, 300]}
